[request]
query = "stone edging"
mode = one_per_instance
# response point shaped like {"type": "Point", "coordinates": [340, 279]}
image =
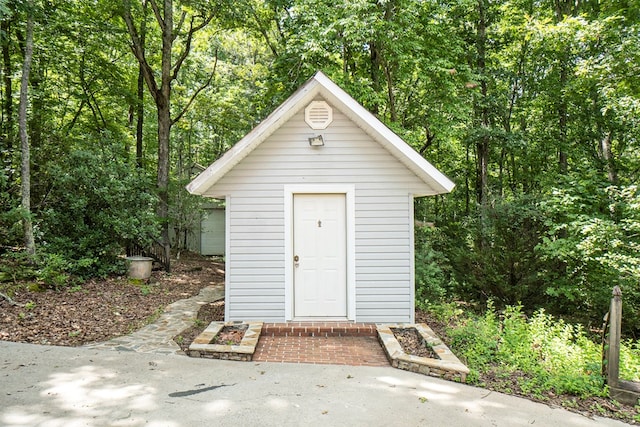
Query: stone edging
{"type": "Point", "coordinates": [202, 347]}
{"type": "Point", "coordinates": [447, 366]}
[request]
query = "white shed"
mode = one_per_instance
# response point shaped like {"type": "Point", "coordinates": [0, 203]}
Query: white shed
{"type": "Point", "coordinates": [319, 213]}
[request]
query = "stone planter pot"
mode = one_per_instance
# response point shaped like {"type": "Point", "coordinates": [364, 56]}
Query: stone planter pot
{"type": "Point", "coordinates": [140, 267]}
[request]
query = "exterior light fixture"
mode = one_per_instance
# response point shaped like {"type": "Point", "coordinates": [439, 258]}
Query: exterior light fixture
{"type": "Point", "coordinates": [316, 141]}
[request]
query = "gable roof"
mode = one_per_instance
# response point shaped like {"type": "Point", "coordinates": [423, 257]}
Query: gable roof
{"type": "Point", "coordinates": [321, 85]}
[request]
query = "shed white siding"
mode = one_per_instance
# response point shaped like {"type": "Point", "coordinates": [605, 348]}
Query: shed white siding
{"type": "Point", "coordinates": [254, 191]}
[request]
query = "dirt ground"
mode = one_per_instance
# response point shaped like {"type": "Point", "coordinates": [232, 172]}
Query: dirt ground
{"type": "Point", "coordinates": [107, 308]}
{"type": "Point", "coordinates": [102, 308]}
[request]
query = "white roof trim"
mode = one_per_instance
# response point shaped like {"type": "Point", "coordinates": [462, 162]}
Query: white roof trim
{"type": "Point", "coordinates": [320, 84]}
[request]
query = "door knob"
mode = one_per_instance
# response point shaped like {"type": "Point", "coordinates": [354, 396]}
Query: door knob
{"type": "Point", "coordinates": [296, 258]}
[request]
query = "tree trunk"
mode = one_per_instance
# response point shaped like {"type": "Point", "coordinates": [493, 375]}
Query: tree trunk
{"type": "Point", "coordinates": [35, 125]}
{"type": "Point", "coordinates": [563, 161]}
{"type": "Point", "coordinates": [374, 62]}
{"type": "Point", "coordinates": [164, 131]}
{"type": "Point", "coordinates": [140, 120]}
{"type": "Point", "coordinates": [140, 92]}
{"type": "Point", "coordinates": [607, 155]}
{"type": "Point", "coordinates": [467, 186]}
{"type": "Point", "coordinates": [482, 171]}
{"type": "Point", "coordinates": [24, 139]}
{"type": "Point", "coordinates": [482, 146]}
{"type": "Point", "coordinates": [563, 8]}
{"type": "Point", "coordinates": [393, 112]}
{"type": "Point", "coordinates": [163, 102]}
{"type": "Point", "coordinates": [7, 105]}
{"type": "Point", "coordinates": [161, 96]}
{"type": "Point", "coordinates": [389, 64]}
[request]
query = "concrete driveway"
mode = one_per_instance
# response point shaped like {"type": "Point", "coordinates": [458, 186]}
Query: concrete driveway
{"type": "Point", "coordinates": [60, 386]}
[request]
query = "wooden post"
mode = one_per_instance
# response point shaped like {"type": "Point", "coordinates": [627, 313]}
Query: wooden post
{"type": "Point", "coordinates": [627, 392]}
{"type": "Point", "coordinates": [615, 320]}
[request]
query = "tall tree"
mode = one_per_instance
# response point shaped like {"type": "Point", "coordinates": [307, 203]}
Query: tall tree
{"type": "Point", "coordinates": [563, 8]}
{"type": "Point", "coordinates": [482, 108]}
{"type": "Point", "coordinates": [172, 36]}
{"type": "Point", "coordinates": [139, 106]}
{"type": "Point", "coordinates": [24, 136]}
{"type": "Point", "coordinates": [7, 102]}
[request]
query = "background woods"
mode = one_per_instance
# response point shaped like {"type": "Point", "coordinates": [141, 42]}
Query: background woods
{"type": "Point", "coordinates": [531, 107]}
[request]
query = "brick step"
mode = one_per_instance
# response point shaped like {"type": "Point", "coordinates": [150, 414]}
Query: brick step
{"type": "Point", "coordinates": [319, 329]}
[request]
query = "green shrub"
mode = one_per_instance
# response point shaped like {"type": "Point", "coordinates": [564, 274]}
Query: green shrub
{"type": "Point", "coordinates": [54, 270]}
{"type": "Point", "coordinates": [544, 353]}
{"type": "Point", "coordinates": [475, 340]}
{"type": "Point", "coordinates": [95, 204]}
{"type": "Point", "coordinates": [11, 232]}
{"type": "Point", "coordinates": [592, 244]}
{"type": "Point", "coordinates": [492, 255]}
{"type": "Point", "coordinates": [563, 249]}
{"type": "Point", "coordinates": [430, 277]}
{"type": "Point", "coordinates": [15, 266]}
{"type": "Point", "coordinates": [630, 360]}
{"type": "Point", "coordinates": [446, 312]}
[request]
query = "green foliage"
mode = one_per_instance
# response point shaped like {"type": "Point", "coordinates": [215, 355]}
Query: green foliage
{"type": "Point", "coordinates": [184, 214]}
{"type": "Point", "coordinates": [446, 312]}
{"type": "Point", "coordinates": [44, 270]}
{"type": "Point", "coordinates": [630, 360]}
{"type": "Point", "coordinates": [16, 266]}
{"type": "Point", "coordinates": [593, 244]}
{"type": "Point", "coordinates": [74, 289]}
{"type": "Point", "coordinates": [430, 279]}
{"type": "Point", "coordinates": [493, 256]}
{"type": "Point", "coordinates": [476, 341]}
{"type": "Point", "coordinates": [10, 212]}
{"type": "Point", "coordinates": [54, 270]}
{"type": "Point", "coordinates": [95, 205]}
{"type": "Point", "coordinates": [563, 252]}
{"type": "Point", "coordinates": [547, 354]}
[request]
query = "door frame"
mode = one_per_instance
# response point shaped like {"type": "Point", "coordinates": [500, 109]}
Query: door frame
{"type": "Point", "coordinates": [349, 191]}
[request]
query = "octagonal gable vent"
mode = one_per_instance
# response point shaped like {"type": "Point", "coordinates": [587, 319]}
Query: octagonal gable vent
{"type": "Point", "coordinates": [318, 115]}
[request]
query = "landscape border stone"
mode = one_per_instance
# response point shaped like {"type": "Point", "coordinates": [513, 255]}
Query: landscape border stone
{"type": "Point", "coordinates": [447, 366]}
{"type": "Point", "coordinates": [202, 345]}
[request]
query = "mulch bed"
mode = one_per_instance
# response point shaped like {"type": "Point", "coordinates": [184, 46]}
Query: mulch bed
{"type": "Point", "coordinates": [230, 335]}
{"type": "Point", "coordinates": [412, 343]}
{"type": "Point", "coordinates": [101, 309]}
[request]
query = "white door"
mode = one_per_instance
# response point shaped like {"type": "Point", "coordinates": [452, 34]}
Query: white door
{"type": "Point", "coordinates": [319, 248]}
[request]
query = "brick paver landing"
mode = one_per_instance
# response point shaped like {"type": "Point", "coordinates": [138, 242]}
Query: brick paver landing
{"type": "Point", "coordinates": [336, 343]}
